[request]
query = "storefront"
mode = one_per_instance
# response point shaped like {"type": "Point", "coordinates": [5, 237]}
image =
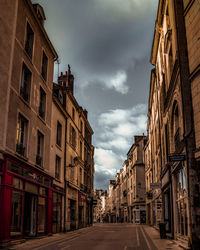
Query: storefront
{"type": "Point", "coordinates": [26, 201]}
{"type": "Point", "coordinates": [57, 216]}
{"type": "Point", "coordinates": [181, 199]}
{"type": "Point", "coordinates": [82, 198]}
{"type": "Point", "coordinates": [167, 201]}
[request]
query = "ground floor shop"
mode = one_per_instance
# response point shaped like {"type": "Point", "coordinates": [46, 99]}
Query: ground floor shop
{"type": "Point", "coordinates": [138, 213]}
{"type": "Point", "coordinates": [27, 201]}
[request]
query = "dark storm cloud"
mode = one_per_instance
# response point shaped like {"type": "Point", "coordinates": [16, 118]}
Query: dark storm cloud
{"type": "Point", "coordinates": [107, 43]}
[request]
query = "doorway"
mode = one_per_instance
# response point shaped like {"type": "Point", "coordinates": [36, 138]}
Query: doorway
{"type": "Point", "coordinates": [30, 214]}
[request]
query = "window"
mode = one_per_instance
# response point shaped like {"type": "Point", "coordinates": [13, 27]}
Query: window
{"type": "Point", "coordinates": [59, 134]}
{"type": "Point", "coordinates": [73, 113]}
{"type": "Point", "coordinates": [29, 40]}
{"type": "Point", "coordinates": [16, 212]}
{"type": "Point", "coordinates": [42, 105]}
{"type": "Point", "coordinates": [81, 127]}
{"type": "Point", "coordinates": [73, 137]}
{"type": "Point", "coordinates": [25, 83]}
{"type": "Point", "coordinates": [57, 169]}
{"type": "Point", "coordinates": [44, 66]}
{"type": "Point", "coordinates": [40, 145]}
{"type": "Point", "coordinates": [22, 126]}
{"type": "Point", "coordinates": [81, 149]}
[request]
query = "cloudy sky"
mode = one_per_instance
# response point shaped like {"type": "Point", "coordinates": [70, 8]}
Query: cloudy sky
{"type": "Point", "coordinates": [108, 45]}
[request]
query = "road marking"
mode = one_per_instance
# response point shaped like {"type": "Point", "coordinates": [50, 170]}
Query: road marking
{"type": "Point", "coordinates": [148, 245]}
{"type": "Point", "coordinates": [137, 236]}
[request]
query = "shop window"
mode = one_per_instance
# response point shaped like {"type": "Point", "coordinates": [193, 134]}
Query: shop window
{"type": "Point", "coordinates": [40, 145]}
{"type": "Point", "coordinates": [42, 106]}
{"type": "Point", "coordinates": [43, 191]}
{"type": "Point", "coordinates": [181, 203]}
{"type": "Point", "coordinates": [25, 87]}
{"type": "Point", "coordinates": [29, 40]}
{"type": "Point", "coordinates": [44, 66]}
{"type": "Point", "coordinates": [41, 215]}
{"type": "Point", "coordinates": [16, 213]}
{"type": "Point", "coordinates": [59, 134]}
{"type": "Point", "coordinates": [57, 169]}
{"type": "Point", "coordinates": [17, 183]}
{"type": "Point", "coordinates": [22, 131]}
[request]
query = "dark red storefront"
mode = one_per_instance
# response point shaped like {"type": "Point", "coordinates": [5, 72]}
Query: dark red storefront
{"type": "Point", "coordinates": [26, 200]}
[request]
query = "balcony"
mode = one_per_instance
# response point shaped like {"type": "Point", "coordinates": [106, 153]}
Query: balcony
{"type": "Point", "coordinates": [39, 160]}
{"type": "Point", "coordinates": [20, 149]}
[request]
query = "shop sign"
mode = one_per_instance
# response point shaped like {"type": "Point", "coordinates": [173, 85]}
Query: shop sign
{"type": "Point", "coordinates": [179, 157]}
{"type": "Point", "coordinates": [28, 174]}
{"type": "Point", "coordinates": [82, 197]}
{"type": "Point", "coordinates": [165, 179]}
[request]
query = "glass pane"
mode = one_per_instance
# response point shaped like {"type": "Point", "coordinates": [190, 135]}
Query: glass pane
{"type": "Point", "coordinates": [41, 215]}
{"type": "Point", "coordinates": [16, 222]}
{"type": "Point", "coordinates": [17, 183]}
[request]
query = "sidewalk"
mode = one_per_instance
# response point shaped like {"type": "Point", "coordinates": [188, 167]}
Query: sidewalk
{"type": "Point", "coordinates": [162, 243]}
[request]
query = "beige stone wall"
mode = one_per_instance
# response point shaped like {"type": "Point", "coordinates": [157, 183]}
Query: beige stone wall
{"type": "Point", "coordinates": [57, 116]}
{"type": "Point", "coordinates": [15, 103]}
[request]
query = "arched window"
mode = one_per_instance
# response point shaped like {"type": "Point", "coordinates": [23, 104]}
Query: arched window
{"type": "Point", "coordinates": [175, 125]}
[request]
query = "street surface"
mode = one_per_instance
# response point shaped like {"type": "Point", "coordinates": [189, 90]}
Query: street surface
{"type": "Point", "coordinates": [102, 237]}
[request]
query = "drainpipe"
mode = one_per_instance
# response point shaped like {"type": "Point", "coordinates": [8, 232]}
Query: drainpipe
{"type": "Point", "coordinates": [65, 171]}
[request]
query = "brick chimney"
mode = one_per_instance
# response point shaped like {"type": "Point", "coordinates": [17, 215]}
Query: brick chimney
{"type": "Point", "coordinates": [67, 80]}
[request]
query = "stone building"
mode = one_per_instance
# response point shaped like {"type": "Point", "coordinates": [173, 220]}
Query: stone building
{"type": "Point", "coordinates": [79, 162]}
{"type": "Point", "coordinates": [27, 63]}
{"type": "Point", "coordinates": [174, 54]}
{"type": "Point", "coordinates": [126, 200]}
{"type": "Point", "coordinates": [152, 157]}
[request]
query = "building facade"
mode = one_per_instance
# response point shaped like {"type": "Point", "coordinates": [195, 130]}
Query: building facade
{"type": "Point", "coordinates": [46, 152]}
{"type": "Point", "coordinates": [26, 92]}
{"type": "Point", "coordinates": [171, 154]}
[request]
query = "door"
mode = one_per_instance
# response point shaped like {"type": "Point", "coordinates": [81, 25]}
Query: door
{"type": "Point", "coordinates": [30, 214]}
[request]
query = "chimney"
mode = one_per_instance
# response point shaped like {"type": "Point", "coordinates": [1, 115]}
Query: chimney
{"type": "Point", "coordinates": [67, 80]}
{"type": "Point", "coordinates": [85, 113]}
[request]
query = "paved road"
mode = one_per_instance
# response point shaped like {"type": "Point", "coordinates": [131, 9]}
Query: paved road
{"type": "Point", "coordinates": [98, 237]}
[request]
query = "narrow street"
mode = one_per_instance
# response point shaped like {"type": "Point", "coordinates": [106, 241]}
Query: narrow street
{"type": "Point", "coordinates": [102, 237]}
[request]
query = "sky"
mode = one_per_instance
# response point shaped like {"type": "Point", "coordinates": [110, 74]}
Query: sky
{"type": "Point", "coordinates": [107, 44]}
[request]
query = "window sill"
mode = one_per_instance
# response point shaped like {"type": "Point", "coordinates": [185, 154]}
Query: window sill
{"type": "Point", "coordinates": [38, 166]}
{"type": "Point", "coordinates": [41, 119]}
{"type": "Point", "coordinates": [27, 103]}
{"type": "Point", "coordinates": [59, 147]}
{"type": "Point", "coordinates": [21, 156]}
{"type": "Point", "coordinates": [58, 180]}
{"type": "Point", "coordinates": [45, 81]}
{"type": "Point", "coordinates": [28, 56]}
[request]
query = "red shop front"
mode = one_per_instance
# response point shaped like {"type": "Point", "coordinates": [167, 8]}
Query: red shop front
{"type": "Point", "coordinates": [25, 201]}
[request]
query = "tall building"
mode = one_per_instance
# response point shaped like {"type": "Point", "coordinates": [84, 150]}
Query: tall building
{"type": "Point", "coordinates": [79, 162]}
{"type": "Point", "coordinates": [27, 63]}
{"type": "Point", "coordinates": [175, 95]}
